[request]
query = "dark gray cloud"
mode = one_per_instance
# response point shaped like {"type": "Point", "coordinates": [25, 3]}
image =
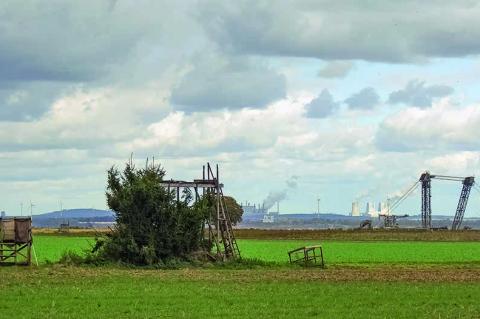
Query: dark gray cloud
{"type": "Point", "coordinates": [365, 99]}
{"type": "Point", "coordinates": [25, 101]}
{"type": "Point", "coordinates": [222, 82]}
{"type": "Point", "coordinates": [45, 49]}
{"type": "Point", "coordinates": [382, 31]}
{"type": "Point", "coordinates": [65, 40]}
{"type": "Point", "coordinates": [335, 69]}
{"type": "Point", "coordinates": [322, 106]}
{"type": "Point", "coordinates": [416, 93]}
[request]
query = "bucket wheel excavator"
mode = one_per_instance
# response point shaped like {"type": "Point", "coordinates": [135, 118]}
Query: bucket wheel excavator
{"type": "Point", "coordinates": [425, 181]}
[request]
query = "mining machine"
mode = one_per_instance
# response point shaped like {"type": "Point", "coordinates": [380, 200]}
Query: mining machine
{"type": "Point", "coordinates": [425, 181]}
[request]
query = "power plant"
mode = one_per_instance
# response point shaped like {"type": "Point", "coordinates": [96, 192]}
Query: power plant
{"type": "Point", "coordinates": [249, 209]}
{"type": "Point", "coordinates": [260, 212]}
{"type": "Point", "coordinates": [386, 210]}
{"type": "Point", "coordinates": [371, 210]}
{"type": "Point", "coordinates": [355, 209]}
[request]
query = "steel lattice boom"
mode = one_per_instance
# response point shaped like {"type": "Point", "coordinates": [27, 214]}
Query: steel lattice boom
{"type": "Point", "coordinates": [426, 180]}
{"type": "Point", "coordinates": [462, 203]}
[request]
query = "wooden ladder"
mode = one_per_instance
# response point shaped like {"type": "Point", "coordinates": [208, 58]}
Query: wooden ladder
{"type": "Point", "coordinates": [228, 237]}
{"type": "Point", "coordinates": [224, 236]}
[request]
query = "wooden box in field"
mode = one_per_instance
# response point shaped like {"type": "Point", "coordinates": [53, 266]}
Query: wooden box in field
{"type": "Point", "coordinates": [16, 230]}
{"type": "Point", "coordinates": [15, 241]}
{"type": "Point", "coordinates": [23, 230]}
{"type": "Point", "coordinates": [8, 230]}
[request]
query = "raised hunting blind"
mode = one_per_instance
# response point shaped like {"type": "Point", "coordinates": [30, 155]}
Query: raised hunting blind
{"type": "Point", "coordinates": [220, 231]}
{"type": "Point", "coordinates": [16, 240]}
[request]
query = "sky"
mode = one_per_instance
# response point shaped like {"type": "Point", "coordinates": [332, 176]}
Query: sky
{"type": "Point", "coordinates": [305, 100]}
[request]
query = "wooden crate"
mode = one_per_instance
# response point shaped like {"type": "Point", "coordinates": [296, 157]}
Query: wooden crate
{"type": "Point", "coordinates": [23, 230]}
{"type": "Point", "coordinates": [8, 230]}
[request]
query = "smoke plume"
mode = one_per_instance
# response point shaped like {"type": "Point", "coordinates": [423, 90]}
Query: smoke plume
{"type": "Point", "coordinates": [277, 196]}
{"type": "Point", "coordinates": [364, 194]}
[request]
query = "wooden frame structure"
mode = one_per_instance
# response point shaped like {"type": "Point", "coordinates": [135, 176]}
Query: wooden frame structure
{"type": "Point", "coordinates": [16, 241]}
{"type": "Point", "coordinates": [307, 255]}
{"type": "Point", "coordinates": [220, 232]}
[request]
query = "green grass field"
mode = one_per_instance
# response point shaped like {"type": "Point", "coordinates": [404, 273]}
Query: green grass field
{"type": "Point", "coordinates": [375, 279]}
{"type": "Point", "coordinates": [106, 293]}
{"type": "Point", "coordinates": [346, 252]}
{"type": "Point", "coordinates": [51, 248]}
{"type": "Point", "coordinates": [336, 252]}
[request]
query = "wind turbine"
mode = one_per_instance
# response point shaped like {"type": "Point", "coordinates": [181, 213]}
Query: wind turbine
{"type": "Point", "coordinates": [31, 208]}
{"type": "Point", "coordinates": [318, 207]}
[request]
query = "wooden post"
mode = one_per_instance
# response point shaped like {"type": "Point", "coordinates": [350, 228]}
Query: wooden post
{"type": "Point", "coordinates": [217, 195]}
{"type": "Point", "coordinates": [29, 254]}
{"type": "Point", "coordinates": [203, 177]}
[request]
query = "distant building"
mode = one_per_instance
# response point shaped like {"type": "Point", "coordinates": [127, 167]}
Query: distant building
{"type": "Point", "coordinates": [2, 214]}
{"type": "Point", "coordinates": [268, 218]}
{"type": "Point", "coordinates": [382, 208]}
{"type": "Point", "coordinates": [249, 209]}
{"type": "Point", "coordinates": [370, 210]}
{"type": "Point", "coordinates": [355, 209]}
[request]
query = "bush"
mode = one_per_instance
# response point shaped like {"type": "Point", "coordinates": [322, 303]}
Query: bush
{"type": "Point", "coordinates": [151, 226]}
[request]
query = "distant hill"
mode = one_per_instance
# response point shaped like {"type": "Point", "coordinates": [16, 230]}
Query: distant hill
{"type": "Point", "coordinates": [76, 213]}
{"type": "Point", "coordinates": [80, 217]}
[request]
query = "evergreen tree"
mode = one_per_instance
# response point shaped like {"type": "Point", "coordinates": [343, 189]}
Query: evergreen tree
{"type": "Point", "coordinates": [151, 225]}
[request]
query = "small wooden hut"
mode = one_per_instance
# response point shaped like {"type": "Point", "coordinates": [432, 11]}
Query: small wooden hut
{"type": "Point", "coordinates": [16, 240]}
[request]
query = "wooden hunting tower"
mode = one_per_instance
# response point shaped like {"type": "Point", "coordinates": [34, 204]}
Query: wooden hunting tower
{"type": "Point", "coordinates": [16, 240]}
{"type": "Point", "coordinates": [220, 231]}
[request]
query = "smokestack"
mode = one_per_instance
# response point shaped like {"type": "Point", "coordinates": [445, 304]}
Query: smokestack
{"type": "Point", "coordinates": [355, 209]}
{"type": "Point", "coordinates": [278, 206]}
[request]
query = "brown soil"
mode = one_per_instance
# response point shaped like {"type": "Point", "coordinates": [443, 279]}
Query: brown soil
{"type": "Point", "coordinates": [87, 232]}
{"type": "Point", "coordinates": [343, 274]}
{"type": "Point", "coordinates": [361, 235]}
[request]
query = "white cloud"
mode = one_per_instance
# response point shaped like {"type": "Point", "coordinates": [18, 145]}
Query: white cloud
{"type": "Point", "coordinates": [444, 126]}
{"type": "Point", "coordinates": [458, 164]}
{"type": "Point", "coordinates": [86, 119]}
{"type": "Point", "coordinates": [81, 95]}
{"type": "Point", "coordinates": [229, 131]}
